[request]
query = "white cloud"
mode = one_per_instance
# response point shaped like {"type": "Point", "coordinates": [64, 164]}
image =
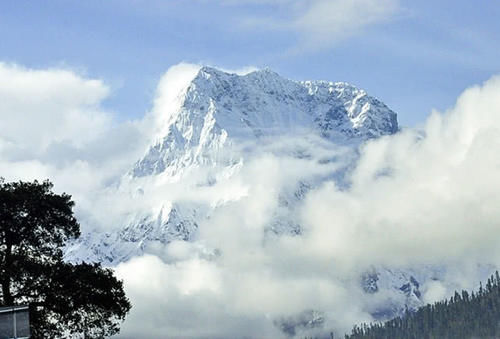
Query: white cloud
{"type": "Point", "coordinates": [320, 24]}
{"type": "Point", "coordinates": [327, 21]}
{"type": "Point", "coordinates": [41, 107]}
{"type": "Point", "coordinates": [52, 126]}
{"type": "Point", "coordinates": [426, 196]}
{"type": "Point", "coordinates": [438, 191]}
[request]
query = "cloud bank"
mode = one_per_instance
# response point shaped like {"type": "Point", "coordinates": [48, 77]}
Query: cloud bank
{"type": "Point", "coordinates": [435, 189]}
{"type": "Point", "coordinates": [426, 196]}
{"type": "Point", "coordinates": [52, 125]}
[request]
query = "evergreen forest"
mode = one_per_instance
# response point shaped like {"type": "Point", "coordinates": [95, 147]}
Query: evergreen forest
{"type": "Point", "coordinates": [464, 316]}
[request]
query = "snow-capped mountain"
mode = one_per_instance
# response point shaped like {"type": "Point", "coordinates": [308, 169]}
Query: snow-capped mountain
{"type": "Point", "coordinates": [216, 121]}
{"type": "Point", "coordinates": [215, 115]}
{"type": "Point", "coordinates": [218, 109]}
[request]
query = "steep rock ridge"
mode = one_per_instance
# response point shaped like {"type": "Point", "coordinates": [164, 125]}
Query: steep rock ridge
{"type": "Point", "coordinates": [219, 109]}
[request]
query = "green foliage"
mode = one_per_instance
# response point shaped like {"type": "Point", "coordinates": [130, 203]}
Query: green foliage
{"type": "Point", "coordinates": [463, 316]}
{"type": "Point", "coordinates": [65, 298]}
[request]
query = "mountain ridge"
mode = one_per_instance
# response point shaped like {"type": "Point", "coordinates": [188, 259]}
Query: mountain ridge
{"type": "Point", "coordinates": [211, 116]}
{"type": "Point", "coordinates": [218, 107]}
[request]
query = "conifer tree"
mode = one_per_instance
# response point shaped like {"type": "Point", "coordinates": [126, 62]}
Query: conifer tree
{"type": "Point", "coordinates": [463, 316]}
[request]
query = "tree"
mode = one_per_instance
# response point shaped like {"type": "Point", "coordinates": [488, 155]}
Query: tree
{"type": "Point", "coordinates": [65, 298]}
{"type": "Point", "coordinates": [463, 316]}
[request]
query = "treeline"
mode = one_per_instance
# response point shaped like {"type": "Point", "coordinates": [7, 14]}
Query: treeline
{"type": "Point", "coordinates": [474, 315]}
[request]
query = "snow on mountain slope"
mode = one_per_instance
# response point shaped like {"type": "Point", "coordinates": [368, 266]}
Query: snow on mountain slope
{"type": "Point", "coordinates": [218, 109]}
{"type": "Point", "coordinates": [206, 135]}
{"type": "Point", "coordinates": [209, 123]}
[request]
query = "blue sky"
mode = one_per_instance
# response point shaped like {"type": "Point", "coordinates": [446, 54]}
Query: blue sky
{"type": "Point", "coordinates": [413, 55]}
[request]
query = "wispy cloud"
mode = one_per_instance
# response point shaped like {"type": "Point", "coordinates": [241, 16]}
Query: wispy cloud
{"type": "Point", "coordinates": [320, 24]}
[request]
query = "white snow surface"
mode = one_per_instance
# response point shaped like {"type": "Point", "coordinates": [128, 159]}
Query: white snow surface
{"type": "Point", "coordinates": [218, 109]}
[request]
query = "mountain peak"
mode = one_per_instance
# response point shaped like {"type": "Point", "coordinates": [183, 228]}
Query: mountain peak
{"type": "Point", "coordinates": [219, 109]}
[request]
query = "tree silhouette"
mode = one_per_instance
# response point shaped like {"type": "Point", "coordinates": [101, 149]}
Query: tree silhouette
{"type": "Point", "coordinates": [64, 298]}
